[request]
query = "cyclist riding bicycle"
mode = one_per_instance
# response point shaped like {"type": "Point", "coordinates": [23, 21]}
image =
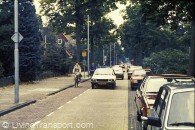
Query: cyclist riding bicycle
{"type": "Point", "coordinates": [77, 74]}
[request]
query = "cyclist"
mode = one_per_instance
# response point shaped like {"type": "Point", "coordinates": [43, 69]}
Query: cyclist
{"type": "Point", "coordinates": [77, 73]}
{"type": "Point", "coordinates": [92, 68]}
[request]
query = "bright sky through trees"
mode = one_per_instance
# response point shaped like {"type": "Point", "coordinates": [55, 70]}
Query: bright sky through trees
{"type": "Point", "coordinates": [115, 15]}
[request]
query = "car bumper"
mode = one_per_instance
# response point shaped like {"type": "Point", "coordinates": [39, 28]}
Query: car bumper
{"type": "Point", "coordinates": [99, 83]}
{"type": "Point", "coordinates": [119, 75]}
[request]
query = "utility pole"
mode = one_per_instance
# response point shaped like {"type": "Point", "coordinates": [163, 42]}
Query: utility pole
{"type": "Point", "coordinates": [17, 37]}
{"type": "Point", "coordinates": [110, 56]}
{"type": "Point", "coordinates": [16, 53]}
{"type": "Point", "coordinates": [88, 44]}
{"type": "Point", "coordinates": [114, 54]}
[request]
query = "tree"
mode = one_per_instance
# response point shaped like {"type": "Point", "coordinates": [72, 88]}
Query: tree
{"type": "Point", "coordinates": [172, 12]}
{"type": "Point", "coordinates": [167, 61]}
{"type": "Point", "coordinates": [69, 16]}
{"type": "Point", "coordinates": [6, 32]}
{"type": "Point", "coordinates": [29, 47]}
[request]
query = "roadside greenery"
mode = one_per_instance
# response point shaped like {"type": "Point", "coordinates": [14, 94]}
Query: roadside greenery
{"type": "Point", "coordinates": [167, 62]}
{"type": "Point", "coordinates": [148, 30]}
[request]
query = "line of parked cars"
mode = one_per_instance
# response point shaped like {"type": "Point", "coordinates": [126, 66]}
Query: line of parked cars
{"type": "Point", "coordinates": [165, 101]}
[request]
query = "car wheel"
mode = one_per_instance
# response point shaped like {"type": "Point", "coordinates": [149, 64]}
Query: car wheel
{"type": "Point", "coordinates": [113, 86]}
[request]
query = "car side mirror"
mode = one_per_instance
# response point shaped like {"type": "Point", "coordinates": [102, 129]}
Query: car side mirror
{"type": "Point", "coordinates": [153, 121]}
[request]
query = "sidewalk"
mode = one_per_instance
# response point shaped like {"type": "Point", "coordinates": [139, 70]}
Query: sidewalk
{"type": "Point", "coordinates": [31, 92]}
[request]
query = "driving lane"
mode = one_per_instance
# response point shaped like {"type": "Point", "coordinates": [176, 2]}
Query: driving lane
{"type": "Point", "coordinates": [97, 109]}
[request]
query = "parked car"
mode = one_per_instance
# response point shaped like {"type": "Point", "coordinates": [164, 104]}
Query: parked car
{"type": "Point", "coordinates": [148, 90]}
{"type": "Point", "coordinates": [173, 108]}
{"type": "Point", "coordinates": [103, 77]}
{"type": "Point", "coordinates": [137, 78]}
{"type": "Point", "coordinates": [130, 70]}
{"type": "Point", "coordinates": [118, 71]}
{"type": "Point", "coordinates": [148, 71]}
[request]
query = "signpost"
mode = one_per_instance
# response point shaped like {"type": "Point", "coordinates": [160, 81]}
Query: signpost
{"type": "Point", "coordinates": [84, 54]}
{"type": "Point", "coordinates": [17, 37]}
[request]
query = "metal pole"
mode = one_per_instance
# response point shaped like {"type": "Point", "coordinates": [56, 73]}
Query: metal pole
{"type": "Point", "coordinates": [16, 53]}
{"type": "Point", "coordinates": [114, 53]}
{"type": "Point", "coordinates": [103, 57]}
{"type": "Point", "coordinates": [110, 56]}
{"type": "Point", "coordinates": [88, 44]}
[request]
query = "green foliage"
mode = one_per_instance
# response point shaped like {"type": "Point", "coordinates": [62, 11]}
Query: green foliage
{"type": "Point", "coordinates": [6, 32]}
{"type": "Point", "coordinates": [30, 60]}
{"type": "Point", "coordinates": [70, 16]}
{"type": "Point", "coordinates": [29, 47]}
{"type": "Point", "coordinates": [167, 61]}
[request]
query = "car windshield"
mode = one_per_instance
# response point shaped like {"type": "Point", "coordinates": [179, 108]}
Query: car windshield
{"type": "Point", "coordinates": [181, 112]}
{"type": "Point", "coordinates": [103, 72]}
{"type": "Point", "coordinates": [139, 73]}
{"type": "Point", "coordinates": [154, 84]}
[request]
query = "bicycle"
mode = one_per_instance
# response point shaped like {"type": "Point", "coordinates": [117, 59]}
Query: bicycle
{"type": "Point", "coordinates": [77, 80]}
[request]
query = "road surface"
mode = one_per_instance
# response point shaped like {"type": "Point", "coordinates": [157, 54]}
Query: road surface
{"type": "Point", "coordinates": [97, 109]}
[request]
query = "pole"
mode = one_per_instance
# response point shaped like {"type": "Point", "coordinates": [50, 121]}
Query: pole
{"type": "Point", "coordinates": [16, 53]}
{"type": "Point", "coordinates": [103, 57]}
{"type": "Point", "coordinates": [110, 57]}
{"type": "Point", "coordinates": [114, 54]}
{"type": "Point", "coordinates": [88, 44]}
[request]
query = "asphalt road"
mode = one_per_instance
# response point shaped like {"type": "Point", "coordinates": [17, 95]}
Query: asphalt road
{"type": "Point", "coordinates": [97, 109]}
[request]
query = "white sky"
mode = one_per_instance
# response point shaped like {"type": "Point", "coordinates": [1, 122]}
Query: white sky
{"type": "Point", "coordinates": [115, 15]}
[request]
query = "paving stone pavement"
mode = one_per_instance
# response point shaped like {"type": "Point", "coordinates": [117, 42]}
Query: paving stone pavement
{"type": "Point", "coordinates": [34, 91]}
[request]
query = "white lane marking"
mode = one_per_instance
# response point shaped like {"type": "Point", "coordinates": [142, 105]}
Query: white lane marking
{"type": "Point", "coordinates": [60, 107]}
{"type": "Point", "coordinates": [80, 95]}
{"type": "Point", "coordinates": [75, 98]}
{"type": "Point", "coordinates": [50, 114]}
{"type": "Point", "coordinates": [34, 124]}
{"type": "Point", "coordinates": [69, 102]}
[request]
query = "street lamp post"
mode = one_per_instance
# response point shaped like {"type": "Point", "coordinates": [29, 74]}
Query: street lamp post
{"type": "Point", "coordinates": [16, 52]}
{"type": "Point", "coordinates": [88, 44]}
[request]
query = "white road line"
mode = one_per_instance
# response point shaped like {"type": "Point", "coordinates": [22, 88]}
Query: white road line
{"type": "Point", "coordinates": [50, 114]}
{"type": "Point", "coordinates": [69, 102]}
{"type": "Point", "coordinates": [80, 95]}
{"type": "Point", "coordinates": [75, 98]}
{"type": "Point", "coordinates": [60, 107]}
{"type": "Point", "coordinates": [34, 124]}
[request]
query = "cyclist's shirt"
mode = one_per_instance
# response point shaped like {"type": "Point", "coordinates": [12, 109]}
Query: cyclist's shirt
{"type": "Point", "coordinates": [76, 69]}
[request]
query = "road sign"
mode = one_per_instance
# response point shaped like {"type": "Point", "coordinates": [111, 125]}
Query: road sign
{"type": "Point", "coordinates": [84, 54]}
{"type": "Point", "coordinates": [19, 38]}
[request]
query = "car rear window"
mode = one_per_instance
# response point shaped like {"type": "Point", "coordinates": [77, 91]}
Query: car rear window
{"type": "Point", "coordinates": [103, 72]}
{"type": "Point", "coordinates": [154, 84]}
{"type": "Point", "coordinates": [181, 112]}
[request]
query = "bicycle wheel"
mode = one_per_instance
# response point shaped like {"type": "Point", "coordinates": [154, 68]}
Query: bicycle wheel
{"type": "Point", "coordinates": [76, 82]}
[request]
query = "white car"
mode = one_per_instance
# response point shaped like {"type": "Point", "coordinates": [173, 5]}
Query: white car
{"type": "Point", "coordinates": [118, 71]}
{"type": "Point", "coordinates": [103, 77]}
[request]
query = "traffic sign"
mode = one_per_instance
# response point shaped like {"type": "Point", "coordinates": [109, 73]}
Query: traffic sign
{"type": "Point", "coordinates": [84, 53]}
{"type": "Point", "coordinates": [14, 37]}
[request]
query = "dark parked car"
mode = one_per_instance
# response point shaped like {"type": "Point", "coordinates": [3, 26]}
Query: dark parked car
{"type": "Point", "coordinates": [173, 108]}
{"type": "Point", "coordinates": [147, 93]}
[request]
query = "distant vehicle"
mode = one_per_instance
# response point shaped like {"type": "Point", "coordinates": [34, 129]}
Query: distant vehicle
{"type": "Point", "coordinates": [118, 71]}
{"type": "Point", "coordinates": [103, 77]}
{"type": "Point", "coordinates": [137, 78]}
{"type": "Point", "coordinates": [130, 70]}
{"type": "Point", "coordinates": [148, 90]}
{"type": "Point", "coordinates": [148, 71]}
{"type": "Point", "coordinates": [173, 108]}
